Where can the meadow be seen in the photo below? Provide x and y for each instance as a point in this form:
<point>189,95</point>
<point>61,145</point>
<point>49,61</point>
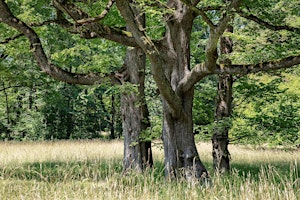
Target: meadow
<point>93,170</point>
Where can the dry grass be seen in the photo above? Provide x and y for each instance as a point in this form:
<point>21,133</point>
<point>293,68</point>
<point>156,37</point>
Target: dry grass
<point>93,170</point>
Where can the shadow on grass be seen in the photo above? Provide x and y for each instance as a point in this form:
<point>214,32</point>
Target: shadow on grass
<point>277,172</point>
<point>53,171</point>
<point>95,170</point>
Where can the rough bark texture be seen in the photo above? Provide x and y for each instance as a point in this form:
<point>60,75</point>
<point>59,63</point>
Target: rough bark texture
<point>135,114</point>
<point>181,155</point>
<point>137,153</point>
<point>221,155</point>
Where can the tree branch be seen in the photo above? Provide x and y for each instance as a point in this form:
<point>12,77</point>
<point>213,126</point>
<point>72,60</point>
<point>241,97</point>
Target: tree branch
<point>199,12</point>
<point>100,17</point>
<point>216,33</point>
<point>93,29</point>
<point>267,24</point>
<point>208,67</point>
<point>44,22</point>
<point>36,47</point>
<point>264,66</point>
<point>201,70</point>
<point>7,40</point>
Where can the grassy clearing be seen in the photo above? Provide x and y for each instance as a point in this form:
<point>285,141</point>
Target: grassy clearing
<point>93,170</point>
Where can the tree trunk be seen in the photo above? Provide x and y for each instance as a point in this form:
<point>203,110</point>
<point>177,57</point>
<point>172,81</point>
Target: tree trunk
<point>181,156</point>
<point>221,155</point>
<point>135,115</point>
<point>112,121</point>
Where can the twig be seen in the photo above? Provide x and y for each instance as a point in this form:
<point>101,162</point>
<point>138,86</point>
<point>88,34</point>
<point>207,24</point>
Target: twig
<point>7,40</point>
<point>98,18</point>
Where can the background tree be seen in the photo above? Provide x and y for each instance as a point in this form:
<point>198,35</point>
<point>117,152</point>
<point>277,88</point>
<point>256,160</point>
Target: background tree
<point>63,116</point>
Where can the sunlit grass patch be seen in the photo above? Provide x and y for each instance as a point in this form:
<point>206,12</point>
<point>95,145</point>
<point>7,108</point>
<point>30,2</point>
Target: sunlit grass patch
<point>93,170</point>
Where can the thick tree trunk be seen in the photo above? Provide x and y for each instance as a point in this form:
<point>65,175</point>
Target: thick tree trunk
<point>135,116</point>
<point>220,141</point>
<point>181,156</point>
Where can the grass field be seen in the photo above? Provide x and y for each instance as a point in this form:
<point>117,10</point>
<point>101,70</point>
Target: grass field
<point>93,170</point>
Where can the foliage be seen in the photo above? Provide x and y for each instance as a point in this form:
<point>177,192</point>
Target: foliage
<point>270,110</point>
<point>267,109</point>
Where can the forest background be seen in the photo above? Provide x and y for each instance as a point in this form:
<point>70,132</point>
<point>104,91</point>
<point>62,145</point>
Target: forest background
<point>33,106</point>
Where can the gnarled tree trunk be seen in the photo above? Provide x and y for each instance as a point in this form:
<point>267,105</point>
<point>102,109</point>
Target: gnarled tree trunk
<point>181,156</point>
<point>220,141</point>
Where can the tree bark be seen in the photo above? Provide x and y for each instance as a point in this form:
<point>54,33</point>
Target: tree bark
<point>181,155</point>
<point>135,115</point>
<point>220,141</point>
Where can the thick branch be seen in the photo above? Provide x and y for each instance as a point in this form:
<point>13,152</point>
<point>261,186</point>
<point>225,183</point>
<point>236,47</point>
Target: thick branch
<point>216,33</point>
<point>93,29</point>
<point>267,24</point>
<point>264,66</point>
<point>201,70</point>
<point>199,12</point>
<point>36,47</point>
<point>195,75</point>
<point>153,54</point>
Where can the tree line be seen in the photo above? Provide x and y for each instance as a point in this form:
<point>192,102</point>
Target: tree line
<point>185,43</point>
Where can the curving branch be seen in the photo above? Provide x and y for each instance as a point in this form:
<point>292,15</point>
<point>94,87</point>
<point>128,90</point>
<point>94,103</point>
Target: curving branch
<point>199,12</point>
<point>260,67</point>
<point>39,54</point>
<point>201,70</point>
<point>209,66</point>
<point>267,24</point>
<point>92,29</point>
<point>216,33</point>
<point>100,17</point>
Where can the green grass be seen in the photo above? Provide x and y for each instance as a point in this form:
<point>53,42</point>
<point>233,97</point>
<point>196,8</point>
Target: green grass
<point>93,170</point>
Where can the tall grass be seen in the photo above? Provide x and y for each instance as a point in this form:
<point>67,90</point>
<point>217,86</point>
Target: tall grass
<point>93,170</point>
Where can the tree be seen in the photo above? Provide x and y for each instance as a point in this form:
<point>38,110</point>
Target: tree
<point>138,153</point>
<point>224,100</point>
<point>267,109</point>
<point>135,114</point>
<point>169,57</point>
<point>223,110</point>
